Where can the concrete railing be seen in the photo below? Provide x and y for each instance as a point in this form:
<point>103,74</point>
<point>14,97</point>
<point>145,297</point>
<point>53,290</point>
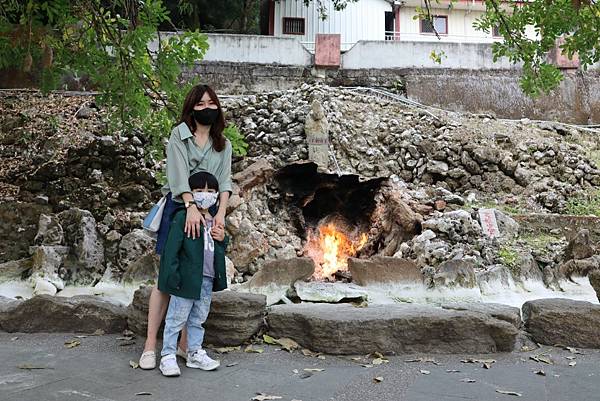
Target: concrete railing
<point>400,54</point>
<point>257,49</point>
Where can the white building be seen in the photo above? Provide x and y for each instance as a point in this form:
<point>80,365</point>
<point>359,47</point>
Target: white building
<point>378,20</point>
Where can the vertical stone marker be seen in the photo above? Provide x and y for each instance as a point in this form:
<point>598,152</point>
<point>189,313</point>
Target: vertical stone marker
<point>316,128</point>
<point>487,217</point>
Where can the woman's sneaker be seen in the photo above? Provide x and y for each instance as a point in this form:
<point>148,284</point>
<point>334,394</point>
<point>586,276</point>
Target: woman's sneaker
<point>200,360</point>
<point>168,366</point>
<point>148,360</point>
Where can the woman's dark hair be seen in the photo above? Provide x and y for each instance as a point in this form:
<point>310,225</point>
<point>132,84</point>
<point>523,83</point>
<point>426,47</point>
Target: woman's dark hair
<point>203,179</point>
<point>216,130</point>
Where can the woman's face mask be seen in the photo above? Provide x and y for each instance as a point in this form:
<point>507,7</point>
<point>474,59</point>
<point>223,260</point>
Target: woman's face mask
<point>204,200</point>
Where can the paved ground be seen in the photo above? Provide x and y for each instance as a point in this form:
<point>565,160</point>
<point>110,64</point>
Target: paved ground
<point>99,369</point>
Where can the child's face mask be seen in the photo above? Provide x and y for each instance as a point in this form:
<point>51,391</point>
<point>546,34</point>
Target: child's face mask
<point>204,200</point>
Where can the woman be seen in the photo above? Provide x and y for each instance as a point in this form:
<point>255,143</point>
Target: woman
<point>196,144</point>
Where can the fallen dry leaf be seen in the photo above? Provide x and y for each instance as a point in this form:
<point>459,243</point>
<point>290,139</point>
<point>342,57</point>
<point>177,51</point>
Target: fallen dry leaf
<point>508,392</point>
<point>378,379</point>
<point>574,350</point>
<point>467,380</point>
<point>540,372</point>
<point>452,371</point>
<point>27,366</point>
<point>134,364</point>
<point>269,340</point>
<point>224,350</point>
<point>72,343</point>
<point>542,358</point>
<point>14,338</point>
<point>321,357</point>
<point>265,397</point>
<point>127,343</point>
<point>229,365</point>
<point>570,357</point>
<point>414,360</point>
<point>572,363</point>
<point>313,369</point>
<point>287,344</point>
<point>295,371</point>
<point>143,393</point>
<point>100,332</point>
<point>250,348</point>
<point>424,372</point>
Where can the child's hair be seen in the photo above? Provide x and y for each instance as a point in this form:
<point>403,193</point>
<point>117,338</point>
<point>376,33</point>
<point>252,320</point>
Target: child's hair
<point>203,179</point>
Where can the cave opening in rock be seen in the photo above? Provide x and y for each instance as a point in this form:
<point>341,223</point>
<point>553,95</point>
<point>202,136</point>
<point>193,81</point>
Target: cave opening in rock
<point>331,212</point>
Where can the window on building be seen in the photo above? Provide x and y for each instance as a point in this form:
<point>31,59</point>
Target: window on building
<point>293,26</point>
<point>389,25</point>
<point>496,31</point>
<point>440,23</point>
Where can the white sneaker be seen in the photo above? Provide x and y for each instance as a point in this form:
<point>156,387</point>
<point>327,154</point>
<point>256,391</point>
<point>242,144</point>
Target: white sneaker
<point>148,360</point>
<point>200,360</point>
<point>168,366</point>
<point>182,354</point>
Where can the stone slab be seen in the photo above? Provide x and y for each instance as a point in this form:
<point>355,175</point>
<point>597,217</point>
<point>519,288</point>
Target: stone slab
<point>47,314</point>
<point>384,270</point>
<point>507,313</point>
<point>344,329</point>
<point>329,292</point>
<point>233,319</point>
<point>563,321</point>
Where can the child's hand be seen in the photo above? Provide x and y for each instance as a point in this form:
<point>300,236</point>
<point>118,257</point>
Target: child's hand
<point>218,233</point>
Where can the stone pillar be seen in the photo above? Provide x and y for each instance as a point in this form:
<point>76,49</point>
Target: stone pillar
<point>316,128</point>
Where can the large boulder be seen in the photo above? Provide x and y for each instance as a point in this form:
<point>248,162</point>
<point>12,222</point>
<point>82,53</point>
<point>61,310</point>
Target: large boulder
<point>14,269</point>
<point>50,314</point>
<point>248,243</point>
<point>563,321</point>
<point>284,272</point>
<point>384,270</point>
<point>275,278</point>
<point>456,273</point>
<point>86,249</point>
<point>134,247</point>
<point>233,319</point>
<point>580,247</point>
<point>345,329</point>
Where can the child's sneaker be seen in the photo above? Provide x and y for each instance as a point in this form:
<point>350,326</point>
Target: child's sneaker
<point>168,366</point>
<point>200,360</point>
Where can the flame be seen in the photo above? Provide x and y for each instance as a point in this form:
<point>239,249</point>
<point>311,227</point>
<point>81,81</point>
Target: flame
<point>331,248</point>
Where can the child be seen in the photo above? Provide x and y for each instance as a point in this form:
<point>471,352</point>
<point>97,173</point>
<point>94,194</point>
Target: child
<point>190,270</point>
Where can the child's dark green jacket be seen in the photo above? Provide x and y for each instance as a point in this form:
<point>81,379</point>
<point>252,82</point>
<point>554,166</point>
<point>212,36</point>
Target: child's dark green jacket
<point>182,262</point>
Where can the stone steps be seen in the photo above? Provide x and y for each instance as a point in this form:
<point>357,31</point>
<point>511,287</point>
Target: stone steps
<point>333,328</point>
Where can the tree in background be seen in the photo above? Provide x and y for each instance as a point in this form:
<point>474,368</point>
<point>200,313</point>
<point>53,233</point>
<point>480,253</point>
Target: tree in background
<point>230,16</point>
<point>116,45</point>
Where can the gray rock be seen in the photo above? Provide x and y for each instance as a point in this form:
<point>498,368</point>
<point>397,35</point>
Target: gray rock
<point>493,278</point>
<point>142,269</point>
<point>456,273</point>
<point>51,314</point>
<point>383,269</point>
<point>135,246</point>
<point>86,262</point>
<point>234,317</point>
<point>283,272</point>
<point>563,321</point>
<point>50,232</point>
<point>47,263</point>
<point>15,269</point>
<point>344,329</point>
<point>580,247</point>
<point>507,226</point>
<point>507,313</point>
<point>329,292</point>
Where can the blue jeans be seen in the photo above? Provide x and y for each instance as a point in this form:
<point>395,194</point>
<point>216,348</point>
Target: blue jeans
<point>191,311</point>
